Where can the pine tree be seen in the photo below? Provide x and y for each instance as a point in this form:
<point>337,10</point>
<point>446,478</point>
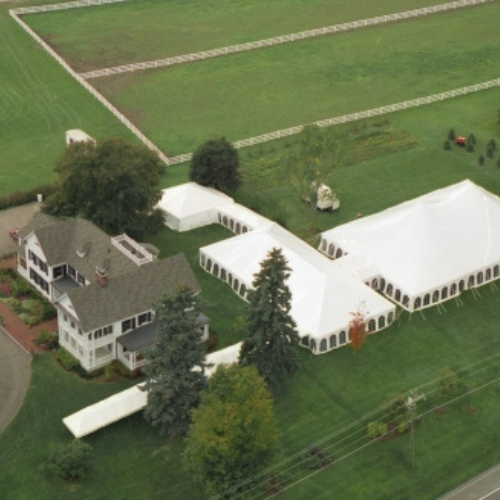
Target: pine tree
<point>173,386</point>
<point>272,337</point>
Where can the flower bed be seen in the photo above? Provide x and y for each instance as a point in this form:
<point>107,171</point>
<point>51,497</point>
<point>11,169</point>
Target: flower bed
<point>23,299</point>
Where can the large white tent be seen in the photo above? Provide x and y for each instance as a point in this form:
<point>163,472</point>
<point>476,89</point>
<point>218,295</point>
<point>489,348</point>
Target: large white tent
<point>240,219</point>
<point>133,399</point>
<point>324,294</point>
<point>429,249</point>
<point>189,206</point>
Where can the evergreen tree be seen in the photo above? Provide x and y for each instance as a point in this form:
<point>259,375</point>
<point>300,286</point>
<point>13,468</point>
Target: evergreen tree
<point>234,433</point>
<point>272,337</point>
<point>175,375</point>
<point>216,164</point>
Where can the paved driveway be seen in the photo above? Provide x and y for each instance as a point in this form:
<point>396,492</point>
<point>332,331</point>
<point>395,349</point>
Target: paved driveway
<point>14,217</point>
<point>15,374</point>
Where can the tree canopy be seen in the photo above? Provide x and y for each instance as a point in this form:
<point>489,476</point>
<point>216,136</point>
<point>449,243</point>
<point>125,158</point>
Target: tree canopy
<point>235,432</point>
<point>172,385</point>
<point>216,164</point>
<point>112,183</point>
<point>311,162</point>
<point>271,334</point>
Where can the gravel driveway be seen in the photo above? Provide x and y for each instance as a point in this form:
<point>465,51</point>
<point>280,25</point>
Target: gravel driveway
<point>15,374</point>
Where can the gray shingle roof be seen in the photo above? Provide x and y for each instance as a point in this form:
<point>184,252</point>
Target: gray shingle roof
<point>130,293</point>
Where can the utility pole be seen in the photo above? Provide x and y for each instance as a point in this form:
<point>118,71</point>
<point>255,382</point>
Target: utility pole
<point>411,404</point>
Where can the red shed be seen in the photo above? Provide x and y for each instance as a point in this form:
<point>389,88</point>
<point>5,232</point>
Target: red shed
<point>461,141</point>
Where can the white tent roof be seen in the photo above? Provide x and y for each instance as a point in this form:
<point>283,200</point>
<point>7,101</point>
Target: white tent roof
<point>191,205</point>
<point>430,241</point>
<point>242,214</point>
<point>132,400</point>
<point>323,293</point>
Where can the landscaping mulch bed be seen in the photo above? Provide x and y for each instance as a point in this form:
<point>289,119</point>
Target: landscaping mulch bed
<point>15,327</point>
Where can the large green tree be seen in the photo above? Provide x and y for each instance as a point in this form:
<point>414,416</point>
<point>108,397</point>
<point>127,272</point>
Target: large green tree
<point>234,433</point>
<point>216,164</point>
<point>175,365</point>
<point>271,331</point>
<point>312,160</point>
<point>112,183</point>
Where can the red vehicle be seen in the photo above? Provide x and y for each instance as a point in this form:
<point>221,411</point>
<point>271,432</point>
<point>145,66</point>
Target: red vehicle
<point>461,141</point>
<point>14,233</point>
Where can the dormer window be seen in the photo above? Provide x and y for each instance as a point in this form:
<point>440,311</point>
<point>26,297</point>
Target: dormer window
<point>71,271</point>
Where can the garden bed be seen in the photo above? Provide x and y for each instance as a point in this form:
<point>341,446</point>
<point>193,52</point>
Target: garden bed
<point>29,305</point>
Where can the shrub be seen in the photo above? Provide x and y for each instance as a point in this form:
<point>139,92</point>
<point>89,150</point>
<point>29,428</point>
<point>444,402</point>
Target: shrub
<point>451,135</point>
<point>20,287</point>
<point>376,429</point>
<point>471,139</point>
<point>492,144</point>
<point>109,371</point>
<point>23,197</point>
<point>481,160</point>
<point>67,360</point>
<point>490,152</point>
<point>124,371</point>
<point>314,458</point>
<point>69,461</point>
<point>470,148</point>
<point>51,339</point>
<point>447,145</point>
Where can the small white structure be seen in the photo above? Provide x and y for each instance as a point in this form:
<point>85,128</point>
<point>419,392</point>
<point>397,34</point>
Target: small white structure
<point>189,206</point>
<point>324,294</point>
<point>427,250</point>
<point>77,135</point>
<point>326,198</point>
<point>132,400</point>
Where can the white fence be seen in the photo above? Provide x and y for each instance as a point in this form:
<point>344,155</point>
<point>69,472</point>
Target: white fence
<point>97,95</point>
<point>383,110</point>
<point>62,6</point>
<point>268,42</point>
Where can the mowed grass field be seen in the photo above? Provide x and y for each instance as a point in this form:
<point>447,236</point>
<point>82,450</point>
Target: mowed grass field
<point>154,29</point>
<point>249,94</point>
<point>39,101</point>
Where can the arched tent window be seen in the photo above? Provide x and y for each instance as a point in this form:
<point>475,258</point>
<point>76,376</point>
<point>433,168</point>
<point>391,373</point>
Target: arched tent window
<point>487,275</point>
<point>224,220</point>
<point>245,229</point>
<point>453,289</point>
<point>480,278</point>
<point>313,345</point>
<point>496,271</point>
<point>389,289</point>
<point>342,339</point>
<point>406,300</point>
<point>230,279</point>
<point>390,318</point>
<point>338,253</point>
<point>461,285</point>
<point>216,270</point>
<point>381,322</point>
<point>374,283</point>
<point>223,274</point>
<point>372,326</point>
<point>382,284</point>
<point>202,260</point>
<point>427,299</point>
<point>333,341</point>
<point>322,345</point>
<point>397,296</point>
<point>444,293</point>
<point>470,281</point>
<point>219,217</point>
<point>243,289</point>
<point>305,341</point>
<point>209,265</point>
<point>238,228</point>
<point>331,249</point>
<point>231,224</point>
<point>435,296</point>
<point>236,284</point>
<point>417,304</point>
<point>323,245</point>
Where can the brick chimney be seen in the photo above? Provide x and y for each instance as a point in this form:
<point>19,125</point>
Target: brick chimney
<point>102,276</point>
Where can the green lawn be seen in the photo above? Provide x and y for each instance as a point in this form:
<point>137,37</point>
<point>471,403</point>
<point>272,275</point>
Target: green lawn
<point>257,92</point>
<point>156,29</point>
<point>39,101</point>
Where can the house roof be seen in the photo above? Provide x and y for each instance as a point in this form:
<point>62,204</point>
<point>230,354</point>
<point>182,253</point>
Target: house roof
<point>79,243</point>
<point>131,293</point>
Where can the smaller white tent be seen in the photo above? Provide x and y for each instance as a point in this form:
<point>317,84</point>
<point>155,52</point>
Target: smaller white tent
<point>189,206</point>
<point>324,294</point>
<point>77,135</point>
<point>240,219</point>
<point>132,400</point>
